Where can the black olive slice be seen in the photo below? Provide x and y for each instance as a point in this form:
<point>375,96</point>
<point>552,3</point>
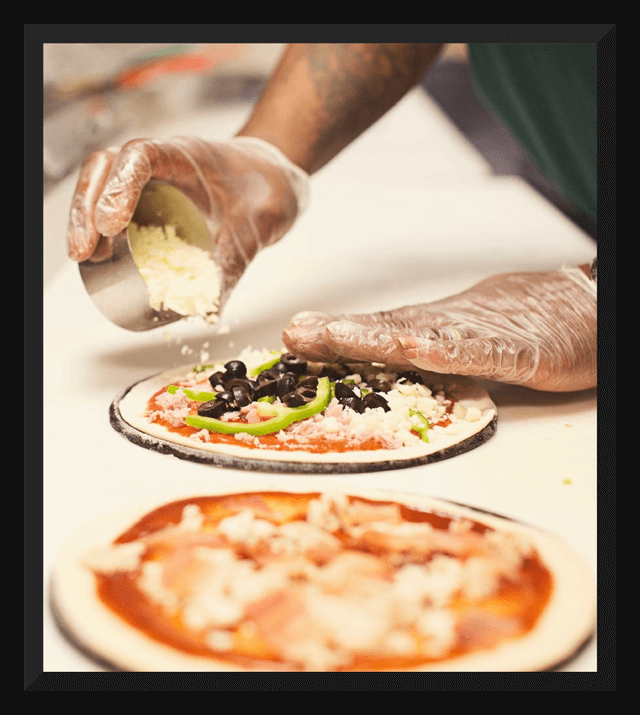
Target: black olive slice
<point>307,393</point>
<point>293,399</point>
<point>213,408</point>
<point>279,369</point>
<point>241,382</point>
<point>236,368</point>
<point>355,403</point>
<point>240,397</point>
<point>218,379</point>
<point>380,385</point>
<point>266,389</point>
<point>373,400</point>
<point>308,382</point>
<point>294,364</point>
<point>334,372</point>
<point>343,390</point>
<point>286,383</point>
<point>265,376</point>
<point>225,396</point>
<point>411,377</point>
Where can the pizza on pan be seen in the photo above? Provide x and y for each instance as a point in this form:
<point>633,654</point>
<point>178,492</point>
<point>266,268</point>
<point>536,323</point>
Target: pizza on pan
<point>269,406</point>
<point>321,581</point>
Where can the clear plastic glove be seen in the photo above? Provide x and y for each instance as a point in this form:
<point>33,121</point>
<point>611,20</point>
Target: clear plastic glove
<point>533,329</point>
<point>248,192</point>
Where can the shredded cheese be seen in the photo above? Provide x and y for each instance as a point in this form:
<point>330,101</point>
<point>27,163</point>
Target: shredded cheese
<point>179,276</point>
<point>317,600</point>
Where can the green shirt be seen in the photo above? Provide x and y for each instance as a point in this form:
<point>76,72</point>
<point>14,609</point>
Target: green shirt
<point>546,94</point>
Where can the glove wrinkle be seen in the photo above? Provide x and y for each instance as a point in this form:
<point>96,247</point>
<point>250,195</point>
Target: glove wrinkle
<point>498,359</point>
<point>356,342</point>
<point>130,171</point>
<point>82,233</point>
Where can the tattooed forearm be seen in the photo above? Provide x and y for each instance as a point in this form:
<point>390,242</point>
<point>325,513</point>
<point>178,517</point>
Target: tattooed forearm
<point>322,96</point>
<point>357,84</point>
<point>362,81</point>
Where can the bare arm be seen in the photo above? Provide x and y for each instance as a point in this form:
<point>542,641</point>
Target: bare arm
<point>322,96</point>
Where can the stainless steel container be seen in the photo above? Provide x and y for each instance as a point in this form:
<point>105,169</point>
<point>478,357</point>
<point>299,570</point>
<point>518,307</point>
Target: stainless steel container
<point>116,286</point>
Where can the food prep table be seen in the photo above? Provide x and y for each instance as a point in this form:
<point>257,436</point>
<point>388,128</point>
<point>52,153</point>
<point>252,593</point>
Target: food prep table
<point>408,213</point>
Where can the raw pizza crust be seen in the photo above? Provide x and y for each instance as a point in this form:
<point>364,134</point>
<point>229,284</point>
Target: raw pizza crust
<point>565,625</point>
<point>127,416</point>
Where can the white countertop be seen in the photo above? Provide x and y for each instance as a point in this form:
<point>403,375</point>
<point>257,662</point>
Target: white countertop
<point>409,213</point>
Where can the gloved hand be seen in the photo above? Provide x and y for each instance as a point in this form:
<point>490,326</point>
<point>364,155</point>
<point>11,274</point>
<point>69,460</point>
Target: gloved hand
<point>248,192</point>
<point>533,329</point>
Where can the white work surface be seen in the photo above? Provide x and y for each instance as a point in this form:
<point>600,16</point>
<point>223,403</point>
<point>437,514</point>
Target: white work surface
<point>408,213</point>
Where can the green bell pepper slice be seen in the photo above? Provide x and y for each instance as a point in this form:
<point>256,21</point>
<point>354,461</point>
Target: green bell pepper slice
<point>266,366</point>
<point>202,368</point>
<point>192,394</point>
<point>422,429</point>
<point>285,416</point>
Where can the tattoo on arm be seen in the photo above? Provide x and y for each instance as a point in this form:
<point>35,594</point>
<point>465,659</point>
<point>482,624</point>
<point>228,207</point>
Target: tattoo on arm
<point>322,96</point>
<point>357,84</point>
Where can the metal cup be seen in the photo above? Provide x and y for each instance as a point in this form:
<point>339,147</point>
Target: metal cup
<point>116,286</point>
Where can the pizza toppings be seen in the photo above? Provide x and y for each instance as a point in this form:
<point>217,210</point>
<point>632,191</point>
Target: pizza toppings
<point>283,417</point>
<point>423,425</point>
<point>309,406</point>
<point>320,581</point>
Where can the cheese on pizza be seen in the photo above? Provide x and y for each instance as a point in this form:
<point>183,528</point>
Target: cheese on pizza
<point>372,407</point>
<point>320,582</point>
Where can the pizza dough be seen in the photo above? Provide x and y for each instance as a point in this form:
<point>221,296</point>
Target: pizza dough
<point>472,421</point>
<point>296,580</point>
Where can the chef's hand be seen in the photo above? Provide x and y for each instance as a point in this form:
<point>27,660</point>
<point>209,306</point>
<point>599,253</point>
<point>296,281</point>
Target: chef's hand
<point>533,329</point>
<point>248,192</point>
